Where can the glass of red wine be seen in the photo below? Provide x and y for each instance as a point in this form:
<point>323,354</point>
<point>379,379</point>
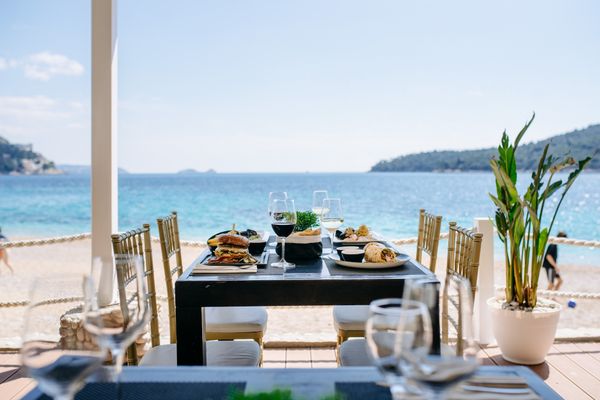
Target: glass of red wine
<point>283,222</point>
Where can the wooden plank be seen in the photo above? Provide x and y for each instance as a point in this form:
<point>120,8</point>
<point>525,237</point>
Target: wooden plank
<point>574,372</point>
<point>14,385</point>
<point>552,376</point>
<point>9,365</point>
<point>274,355</point>
<point>323,357</point>
<point>297,358</point>
<point>581,358</point>
<point>26,389</point>
<point>592,349</point>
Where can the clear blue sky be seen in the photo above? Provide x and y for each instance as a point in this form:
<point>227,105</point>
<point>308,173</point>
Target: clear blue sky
<point>303,85</point>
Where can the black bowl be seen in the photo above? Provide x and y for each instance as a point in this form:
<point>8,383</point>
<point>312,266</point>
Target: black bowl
<point>342,248</point>
<point>257,247</point>
<point>353,255</point>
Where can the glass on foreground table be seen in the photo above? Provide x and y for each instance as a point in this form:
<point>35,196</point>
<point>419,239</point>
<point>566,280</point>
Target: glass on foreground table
<point>454,362</point>
<point>389,318</point>
<point>55,358</point>
<point>119,328</point>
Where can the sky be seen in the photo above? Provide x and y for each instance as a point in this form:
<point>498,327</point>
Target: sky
<point>295,86</point>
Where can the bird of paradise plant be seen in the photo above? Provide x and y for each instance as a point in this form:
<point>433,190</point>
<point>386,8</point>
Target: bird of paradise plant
<point>520,219</point>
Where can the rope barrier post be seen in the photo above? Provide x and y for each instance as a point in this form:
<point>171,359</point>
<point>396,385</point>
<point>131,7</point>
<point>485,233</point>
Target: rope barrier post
<point>485,282</point>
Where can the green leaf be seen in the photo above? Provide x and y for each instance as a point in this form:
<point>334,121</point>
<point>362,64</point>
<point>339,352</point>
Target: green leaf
<point>520,135</point>
<point>542,240</point>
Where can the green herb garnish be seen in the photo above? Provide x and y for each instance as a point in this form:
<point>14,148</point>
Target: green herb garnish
<point>305,220</point>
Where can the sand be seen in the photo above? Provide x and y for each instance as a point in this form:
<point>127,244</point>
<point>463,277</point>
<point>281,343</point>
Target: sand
<point>286,324</point>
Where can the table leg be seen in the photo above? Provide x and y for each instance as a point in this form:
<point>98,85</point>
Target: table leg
<point>191,336</point>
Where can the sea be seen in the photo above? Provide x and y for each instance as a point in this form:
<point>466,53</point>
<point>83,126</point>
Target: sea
<point>389,203</point>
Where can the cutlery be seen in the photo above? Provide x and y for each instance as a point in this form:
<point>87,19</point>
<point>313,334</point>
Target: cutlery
<point>498,390</point>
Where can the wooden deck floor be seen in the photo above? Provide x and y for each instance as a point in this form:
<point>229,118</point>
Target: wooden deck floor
<point>571,369</point>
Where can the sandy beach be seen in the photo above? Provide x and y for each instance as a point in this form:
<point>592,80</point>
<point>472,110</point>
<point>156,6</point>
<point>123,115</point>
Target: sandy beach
<point>286,324</point>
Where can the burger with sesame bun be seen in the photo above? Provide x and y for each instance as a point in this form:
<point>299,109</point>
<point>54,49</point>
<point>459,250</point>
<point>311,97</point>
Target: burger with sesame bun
<point>232,249</point>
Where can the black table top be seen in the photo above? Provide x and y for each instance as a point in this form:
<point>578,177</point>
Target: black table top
<point>304,383</point>
<point>319,269</point>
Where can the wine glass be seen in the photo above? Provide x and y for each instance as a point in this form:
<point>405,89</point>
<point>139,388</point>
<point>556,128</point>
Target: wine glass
<point>120,323</point>
<point>332,216</point>
<point>381,331</point>
<point>276,196</point>
<point>54,357</point>
<point>455,361</point>
<point>317,203</point>
<point>283,222</point>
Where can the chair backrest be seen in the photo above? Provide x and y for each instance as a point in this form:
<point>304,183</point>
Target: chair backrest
<point>168,231</point>
<point>429,237</point>
<point>137,243</point>
<point>464,248</point>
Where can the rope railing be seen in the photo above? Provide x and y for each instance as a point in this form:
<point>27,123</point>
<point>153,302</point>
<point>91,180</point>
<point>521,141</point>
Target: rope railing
<point>561,294</point>
<point>201,244</point>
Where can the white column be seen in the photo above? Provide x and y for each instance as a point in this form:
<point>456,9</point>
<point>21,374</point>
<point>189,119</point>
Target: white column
<point>485,282</point>
<point>104,139</point>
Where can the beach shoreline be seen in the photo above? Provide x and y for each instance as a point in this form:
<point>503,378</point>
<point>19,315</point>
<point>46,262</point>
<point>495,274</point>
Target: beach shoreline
<point>286,324</point>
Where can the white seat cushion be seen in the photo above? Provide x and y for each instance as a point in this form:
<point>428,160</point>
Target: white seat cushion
<point>218,354</point>
<point>350,318</point>
<point>236,319</point>
<point>353,353</point>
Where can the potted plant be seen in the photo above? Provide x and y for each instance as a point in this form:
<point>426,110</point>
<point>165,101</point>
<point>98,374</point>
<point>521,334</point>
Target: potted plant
<point>523,324</point>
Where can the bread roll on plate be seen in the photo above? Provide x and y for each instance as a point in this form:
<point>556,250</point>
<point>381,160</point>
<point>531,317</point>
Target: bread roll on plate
<point>378,253</point>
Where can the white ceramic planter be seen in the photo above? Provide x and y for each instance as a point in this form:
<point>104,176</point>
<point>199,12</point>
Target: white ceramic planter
<point>524,337</point>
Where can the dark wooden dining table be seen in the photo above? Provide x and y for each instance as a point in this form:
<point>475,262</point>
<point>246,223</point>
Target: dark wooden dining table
<point>187,383</point>
<point>315,282</point>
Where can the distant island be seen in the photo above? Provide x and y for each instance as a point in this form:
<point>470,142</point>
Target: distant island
<point>578,143</point>
<point>191,171</point>
<point>20,159</point>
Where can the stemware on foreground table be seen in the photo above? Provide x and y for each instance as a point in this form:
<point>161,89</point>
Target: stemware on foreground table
<point>283,222</point>
<point>454,362</point>
<point>381,332</point>
<point>58,364</point>
<point>132,310</point>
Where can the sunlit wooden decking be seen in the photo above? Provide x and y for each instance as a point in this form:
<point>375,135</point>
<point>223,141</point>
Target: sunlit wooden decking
<point>571,369</point>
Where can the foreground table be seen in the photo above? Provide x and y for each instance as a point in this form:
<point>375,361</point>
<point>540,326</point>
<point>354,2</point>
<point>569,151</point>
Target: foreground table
<point>219,383</point>
<point>319,282</point>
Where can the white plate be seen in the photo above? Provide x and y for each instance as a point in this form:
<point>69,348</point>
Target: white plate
<point>375,237</point>
<point>400,260</point>
<point>264,236</point>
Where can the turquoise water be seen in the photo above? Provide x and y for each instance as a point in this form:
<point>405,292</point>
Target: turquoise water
<point>59,205</point>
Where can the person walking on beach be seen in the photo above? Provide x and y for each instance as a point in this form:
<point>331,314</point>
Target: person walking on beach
<point>551,265</point>
<point>4,252</point>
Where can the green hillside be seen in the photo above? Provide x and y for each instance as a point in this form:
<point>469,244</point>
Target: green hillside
<point>579,144</point>
<point>22,160</point>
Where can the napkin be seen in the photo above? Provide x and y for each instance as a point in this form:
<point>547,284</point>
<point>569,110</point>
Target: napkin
<point>223,269</point>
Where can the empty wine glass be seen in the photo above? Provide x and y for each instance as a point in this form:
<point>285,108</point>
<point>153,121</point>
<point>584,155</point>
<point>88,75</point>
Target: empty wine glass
<point>381,331</point>
<point>332,216</point>
<point>58,359</point>
<point>283,222</point>
<point>120,323</point>
<point>459,354</point>
<point>317,201</point>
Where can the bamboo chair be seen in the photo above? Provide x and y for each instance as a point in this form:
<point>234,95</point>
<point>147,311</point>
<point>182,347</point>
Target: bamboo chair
<point>137,242</point>
<point>350,320</point>
<point>168,230</point>
<point>464,249</point>
<point>429,237</point>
